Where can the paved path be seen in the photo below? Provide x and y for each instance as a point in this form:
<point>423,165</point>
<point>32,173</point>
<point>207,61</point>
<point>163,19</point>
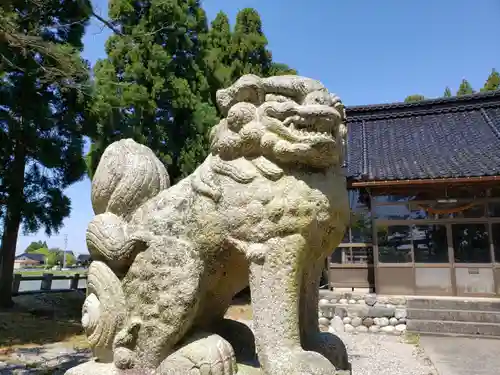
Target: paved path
<point>462,356</point>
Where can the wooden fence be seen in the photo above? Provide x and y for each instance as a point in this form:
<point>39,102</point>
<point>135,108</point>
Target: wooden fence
<point>46,283</point>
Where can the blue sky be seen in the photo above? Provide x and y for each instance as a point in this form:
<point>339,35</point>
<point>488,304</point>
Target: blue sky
<point>365,51</point>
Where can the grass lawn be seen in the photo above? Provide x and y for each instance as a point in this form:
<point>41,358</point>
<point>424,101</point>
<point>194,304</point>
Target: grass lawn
<point>40,272</point>
<point>42,319</point>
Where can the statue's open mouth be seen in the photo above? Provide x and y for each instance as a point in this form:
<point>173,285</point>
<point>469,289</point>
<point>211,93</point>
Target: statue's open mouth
<point>310,129</point>
<point>312,124</point>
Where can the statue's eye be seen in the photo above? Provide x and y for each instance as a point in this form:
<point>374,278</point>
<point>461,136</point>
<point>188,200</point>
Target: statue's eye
<point>279,98</point>
<point>318,98</point>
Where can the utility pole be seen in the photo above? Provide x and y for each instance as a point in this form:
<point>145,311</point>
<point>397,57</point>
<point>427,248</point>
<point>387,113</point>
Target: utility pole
<point>65,249</point>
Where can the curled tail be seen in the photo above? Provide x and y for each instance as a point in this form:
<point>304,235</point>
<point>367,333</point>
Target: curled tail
<point>128,175</point>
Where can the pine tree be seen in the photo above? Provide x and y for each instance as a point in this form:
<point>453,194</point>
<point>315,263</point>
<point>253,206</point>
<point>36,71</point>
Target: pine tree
<point>447,92</point>
<point>219,54</point>
<point>249,48</point>
<point>465,88</point>
<point>414,98</point>
<point>152,87</point>
<point>493,82</point>
<point>42,124</point>
<point>65,62</point>
<point>250,54</point>
<point>279,69</point>
<point>242,51</point>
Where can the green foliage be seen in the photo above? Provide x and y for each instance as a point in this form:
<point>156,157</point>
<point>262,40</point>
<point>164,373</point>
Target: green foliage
<point>65,62</point>
<point>414,98</point>
<point>249,52</point>
<point>55,256</point>
<point>45,252</point>
<point>159,81</point>
<point>465,88</point>
<point>241,51</point>
<point>447,92</point>
<point>53,259</point>
<point>249,45</point>
<point>360,224</point>
<point>42,250</point>
<point>35,245</point>
<point>152,86</point>
<point>280,69</point>
<point>493,82</point>
<point>41,120</point>
<point>70,260</point>
<point>219,54</point>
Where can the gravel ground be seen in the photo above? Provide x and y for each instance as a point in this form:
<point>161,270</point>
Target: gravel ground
<point>380,354</point>
<point>376,354</point>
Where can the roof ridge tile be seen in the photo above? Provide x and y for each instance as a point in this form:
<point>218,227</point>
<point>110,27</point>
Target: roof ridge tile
<point>438,105</point>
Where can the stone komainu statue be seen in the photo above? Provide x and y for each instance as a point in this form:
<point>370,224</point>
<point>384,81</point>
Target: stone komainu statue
<point>264,209</point>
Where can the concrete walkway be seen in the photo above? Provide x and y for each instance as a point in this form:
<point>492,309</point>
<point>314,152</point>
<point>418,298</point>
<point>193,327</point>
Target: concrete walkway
<point>462,356</point>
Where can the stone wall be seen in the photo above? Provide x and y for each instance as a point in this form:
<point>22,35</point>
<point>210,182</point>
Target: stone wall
<point>355,312</point>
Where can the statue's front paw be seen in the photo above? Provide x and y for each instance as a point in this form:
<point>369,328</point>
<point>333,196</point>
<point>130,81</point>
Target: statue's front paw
<point>311,363</point>
<point>332,347</point>
<point>202,354</point>
<point>298,362</point>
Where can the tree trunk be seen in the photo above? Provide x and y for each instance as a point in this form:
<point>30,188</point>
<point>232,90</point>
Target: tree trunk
<point>12,222</point>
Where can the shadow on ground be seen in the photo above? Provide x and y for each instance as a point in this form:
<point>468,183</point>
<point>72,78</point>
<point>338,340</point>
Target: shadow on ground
<point>42,319</point>
<point>46,362</point>
<point>240,307</point>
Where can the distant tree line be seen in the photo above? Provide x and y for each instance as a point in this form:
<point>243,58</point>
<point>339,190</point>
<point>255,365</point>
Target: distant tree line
<point>465,88</point>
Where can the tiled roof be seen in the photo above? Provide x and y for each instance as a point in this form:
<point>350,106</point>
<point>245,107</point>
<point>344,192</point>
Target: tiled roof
<point>32,256</point>
<point>439,138</point>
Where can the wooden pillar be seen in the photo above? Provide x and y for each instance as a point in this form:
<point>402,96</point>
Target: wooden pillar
<point>73,284</point>
<point>46,281</point>
<point>16,283</point>
<point>376,269</point>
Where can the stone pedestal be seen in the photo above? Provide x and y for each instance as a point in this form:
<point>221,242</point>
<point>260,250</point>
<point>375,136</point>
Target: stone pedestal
<point>108,369</point>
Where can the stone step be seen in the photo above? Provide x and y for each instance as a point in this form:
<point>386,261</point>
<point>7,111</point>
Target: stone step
<point>438,334</point>
<point>445,327</point>
<point>477,304</point>
<point>455,315</point>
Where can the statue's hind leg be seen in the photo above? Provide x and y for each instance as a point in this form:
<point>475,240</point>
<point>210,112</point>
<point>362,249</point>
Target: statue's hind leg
<point>163,288</point>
